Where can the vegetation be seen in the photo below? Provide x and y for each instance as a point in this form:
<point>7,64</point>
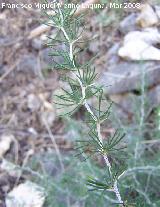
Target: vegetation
<point>82,87</point>
<point>122,182</point>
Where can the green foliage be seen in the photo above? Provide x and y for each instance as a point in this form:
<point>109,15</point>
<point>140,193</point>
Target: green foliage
<point>65,188</point>
<point>143,139</point>
<point>124,182</point>
<point>157,120</point>
<point>95,146</point>
<point>81,88</point>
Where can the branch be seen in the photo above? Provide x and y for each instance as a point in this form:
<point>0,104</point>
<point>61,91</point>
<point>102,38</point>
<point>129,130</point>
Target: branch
<point>86,105</point>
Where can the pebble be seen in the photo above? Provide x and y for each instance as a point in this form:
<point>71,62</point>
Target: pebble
<point>37,44</point>
<point>27,194</point>
<point>28,63</point>
<point>128,24</point>
<point>33,102</point>
<point>5,143</point>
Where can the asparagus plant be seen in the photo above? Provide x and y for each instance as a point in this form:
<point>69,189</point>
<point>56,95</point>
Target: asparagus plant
<point>82,87</point>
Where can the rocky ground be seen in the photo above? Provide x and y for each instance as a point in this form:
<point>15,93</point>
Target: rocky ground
<point>27,115</point>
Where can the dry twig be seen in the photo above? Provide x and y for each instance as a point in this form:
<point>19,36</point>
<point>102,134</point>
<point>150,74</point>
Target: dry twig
<point>9,71</point>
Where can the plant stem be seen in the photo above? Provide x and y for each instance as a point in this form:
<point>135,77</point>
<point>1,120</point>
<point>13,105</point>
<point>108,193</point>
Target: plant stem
<point>88,108</point>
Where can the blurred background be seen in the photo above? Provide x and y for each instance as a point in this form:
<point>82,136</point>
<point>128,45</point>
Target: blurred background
<point>37,146</point>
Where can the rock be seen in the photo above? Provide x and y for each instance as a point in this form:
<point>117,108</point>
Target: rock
<point>128,24</point>
<point>10,168</point>
<point>130,104</point>
<point>139,50</point>
<point>128,101</point>
<point>126,76</point>
<point>157,9</point>
<point>44,37</point>
<point>27,194</point>
<point>33,102</point>
<point>150,36</point>
<point>125,107</point>
<point>154,96</point>
<point>5,143</point>
<point>119,114</point>
<point>28,63</point>
<point>139,45</point>
<point>1,59</point>
<point>113,50</point>
<point>32,131</point>
<point>31,64</point>
<point>147,17</point>
<point>37,44</point>
<point>46,60</point>
<point>112,57</point>
<point>1,69</point>
<point>2,16</point>
<point>94,46</point>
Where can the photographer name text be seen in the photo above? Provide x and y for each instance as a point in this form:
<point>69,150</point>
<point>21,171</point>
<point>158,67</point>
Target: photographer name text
<point>54,5</point>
